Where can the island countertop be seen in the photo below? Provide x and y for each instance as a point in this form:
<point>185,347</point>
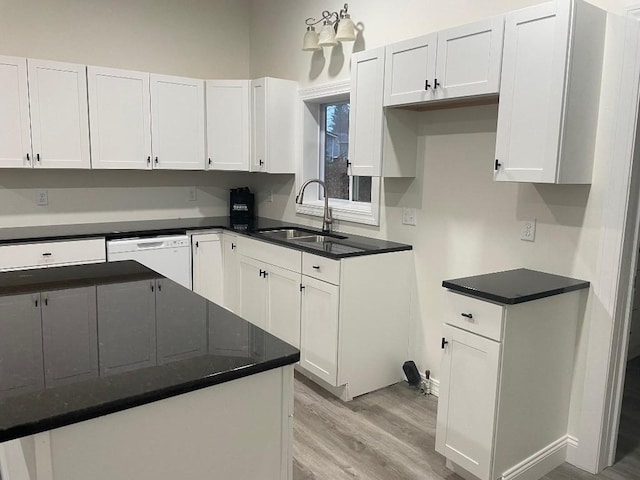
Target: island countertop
<point>347,245</point>
<point>87,365</point>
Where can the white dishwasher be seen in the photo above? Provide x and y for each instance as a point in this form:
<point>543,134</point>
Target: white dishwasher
<point>169,256</point>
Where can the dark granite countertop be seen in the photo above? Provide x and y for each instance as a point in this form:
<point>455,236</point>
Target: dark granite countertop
<point>84,341</point>
<point>515,286</point>
<point>347,246</point>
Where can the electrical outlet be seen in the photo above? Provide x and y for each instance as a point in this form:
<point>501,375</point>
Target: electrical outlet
<point>528,232</point>
<point>193,196</point>
<point>42,198</point>
<point>270,196</point>
<point>409,216</point>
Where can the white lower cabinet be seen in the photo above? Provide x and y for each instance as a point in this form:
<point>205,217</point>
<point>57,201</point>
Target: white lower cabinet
<point>350,321</point>
<point>270,298</point>
<point>206,254</point>
<point>319,329</point>
<point>505,385</point>
<point>51,254</point>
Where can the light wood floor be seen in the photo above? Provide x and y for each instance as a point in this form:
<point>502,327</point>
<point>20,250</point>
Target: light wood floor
<point>390,435</point>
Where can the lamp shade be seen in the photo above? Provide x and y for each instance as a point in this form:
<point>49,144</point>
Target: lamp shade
<point>327,36</point>
<point>310,40</point>
<point>346,30</point>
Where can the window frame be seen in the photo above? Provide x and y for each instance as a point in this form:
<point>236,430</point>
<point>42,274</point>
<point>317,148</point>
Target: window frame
<point>312,100</point>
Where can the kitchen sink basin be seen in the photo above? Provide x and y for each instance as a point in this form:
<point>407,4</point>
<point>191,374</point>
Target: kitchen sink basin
<point>298,234</point>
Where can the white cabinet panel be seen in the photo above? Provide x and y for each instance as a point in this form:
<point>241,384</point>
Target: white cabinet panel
<point>59,114</point>
<point>228,124</point>
<point>365,116</point>
<point>319,329</point>
<point>549,93</point>
<point>409,71</point>
<point>283,304</point>
<point>253,292</point>
<point>274,125</point>
<point>177,122</point>
<point>231,275</point>
<point>15,126</point>
<point>468,60</point>
<point>207,266</point>
<point>120,118</point>
<point>467,402</point>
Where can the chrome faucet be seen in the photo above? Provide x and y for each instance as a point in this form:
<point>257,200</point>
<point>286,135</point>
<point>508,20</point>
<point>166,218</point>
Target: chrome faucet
<point>327,220</point>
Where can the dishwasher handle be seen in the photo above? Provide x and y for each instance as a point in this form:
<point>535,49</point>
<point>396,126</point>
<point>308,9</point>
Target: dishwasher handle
<point>155,244</point>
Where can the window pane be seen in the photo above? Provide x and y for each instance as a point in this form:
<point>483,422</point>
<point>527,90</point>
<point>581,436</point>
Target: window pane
<point>336,149</point>
<point>362,189</point>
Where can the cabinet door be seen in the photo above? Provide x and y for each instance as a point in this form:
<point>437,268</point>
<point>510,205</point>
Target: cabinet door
<point>69,335</point>
<point>365,115</point>
<point>59,114</point>
<point>15,127</point>
<point>228,125</point>
<point>253,292</point>
<point>127,326</point>
<point>207,266</point>
<point>410,68</point>
<point>119,118</point>
<point>181,320</point>
<point>469,59</point>
<point>20,344</point>
<point>177,122</point>
<point>283,304</point>
<point>532,89</point>
<point>319,329</point>
<point>228,334</point>
<point>468,397</point>
<point>231,275</point>
<point>258,125</point>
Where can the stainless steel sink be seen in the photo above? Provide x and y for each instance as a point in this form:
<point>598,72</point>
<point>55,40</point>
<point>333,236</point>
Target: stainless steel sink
<point>297,234</point>
<point>287,233</point>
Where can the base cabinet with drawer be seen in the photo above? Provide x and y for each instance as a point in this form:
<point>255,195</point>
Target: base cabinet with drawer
<point>51,254</point>
<point>505,385</point>
<point>349,316</point>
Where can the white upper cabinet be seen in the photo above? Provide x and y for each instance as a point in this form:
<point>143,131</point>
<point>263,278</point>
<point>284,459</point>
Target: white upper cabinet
<point>59,114</point>
<point>409,71</point>
<point>550,90</point>
<point>119,118</point>
<point>456,63</point>
<point>228,125</point>
<point>177,122</point>
<point>15,127</point>
<point>468,60</point>
<point>273,125</point>
<point>365,115</point>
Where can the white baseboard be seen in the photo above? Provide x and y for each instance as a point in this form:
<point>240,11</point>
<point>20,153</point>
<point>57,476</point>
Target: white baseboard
<point>572,450</point>
<point>541,462</point>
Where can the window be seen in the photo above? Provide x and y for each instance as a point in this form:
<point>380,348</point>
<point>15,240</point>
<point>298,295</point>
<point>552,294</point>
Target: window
<point>334,155</point>
<point>325,155</point>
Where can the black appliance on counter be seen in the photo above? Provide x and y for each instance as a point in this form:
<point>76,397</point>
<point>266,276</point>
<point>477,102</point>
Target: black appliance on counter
<point>241,204</point>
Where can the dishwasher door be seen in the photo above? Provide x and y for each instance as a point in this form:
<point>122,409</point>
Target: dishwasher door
<point>169,256</point>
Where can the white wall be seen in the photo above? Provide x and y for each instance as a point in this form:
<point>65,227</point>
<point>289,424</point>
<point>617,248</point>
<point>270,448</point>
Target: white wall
<point>197,38</point>
<point>467,223</point>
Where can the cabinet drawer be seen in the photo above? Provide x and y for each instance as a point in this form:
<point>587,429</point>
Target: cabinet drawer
<point>473,315</point>
<point>321,268</point>
<point>42,254</point>
<point>269,253</point>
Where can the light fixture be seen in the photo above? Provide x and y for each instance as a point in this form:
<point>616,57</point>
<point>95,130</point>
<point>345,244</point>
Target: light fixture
<point>336,27</point>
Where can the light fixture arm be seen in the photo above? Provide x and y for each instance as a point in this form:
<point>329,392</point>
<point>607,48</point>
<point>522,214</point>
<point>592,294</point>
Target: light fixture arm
<point>332,18</point>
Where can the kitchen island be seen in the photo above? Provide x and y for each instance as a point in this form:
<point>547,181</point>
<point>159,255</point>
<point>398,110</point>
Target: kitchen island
<point>112,371</point>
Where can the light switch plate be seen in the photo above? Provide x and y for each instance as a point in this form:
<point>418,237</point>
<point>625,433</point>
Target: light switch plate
<point>409,216</point>
<point>193,195</point>
<point>528,232</point>
<point>42,198</point>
